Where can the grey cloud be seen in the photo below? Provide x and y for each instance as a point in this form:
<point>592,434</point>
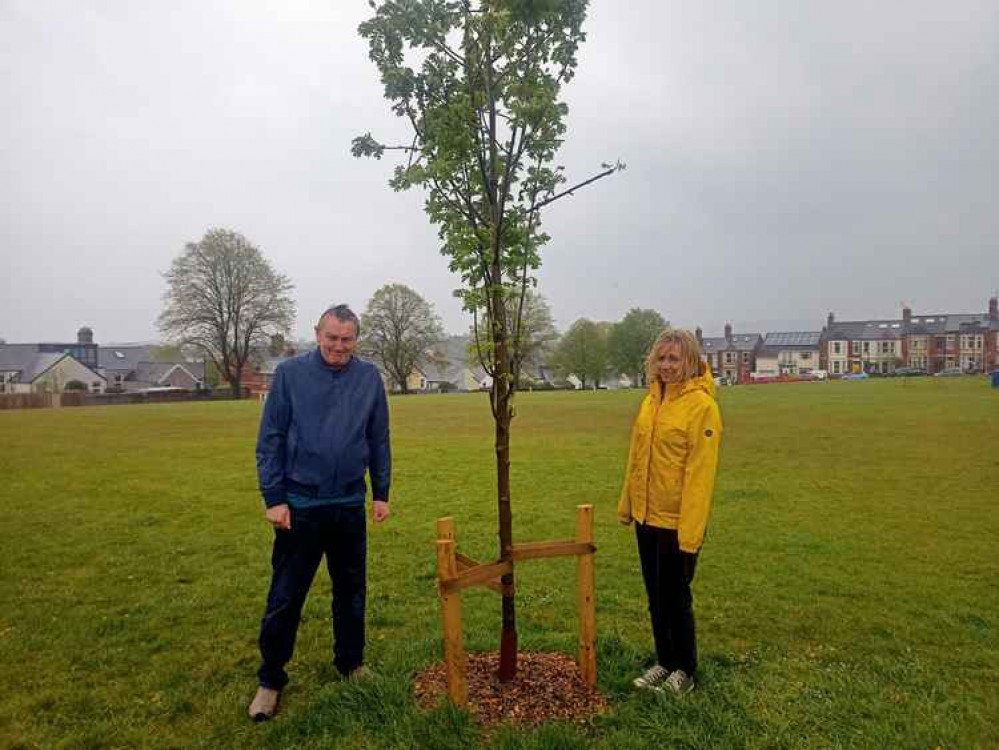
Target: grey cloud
<point>785,159</point>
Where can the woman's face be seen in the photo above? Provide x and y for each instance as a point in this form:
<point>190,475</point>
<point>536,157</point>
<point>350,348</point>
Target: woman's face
<point>671,363</point>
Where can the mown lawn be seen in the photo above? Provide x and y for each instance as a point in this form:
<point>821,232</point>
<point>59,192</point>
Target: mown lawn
<point>847,593</point>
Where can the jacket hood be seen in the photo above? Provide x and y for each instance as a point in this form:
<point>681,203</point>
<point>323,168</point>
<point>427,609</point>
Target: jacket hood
<point>703,382</point>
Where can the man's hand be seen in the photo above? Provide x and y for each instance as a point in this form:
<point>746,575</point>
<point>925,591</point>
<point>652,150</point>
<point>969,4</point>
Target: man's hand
<point>279,516</point>
<point>379,510</point>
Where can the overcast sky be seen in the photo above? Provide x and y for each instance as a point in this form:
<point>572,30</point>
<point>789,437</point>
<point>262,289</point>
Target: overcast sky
<point>784,159</point>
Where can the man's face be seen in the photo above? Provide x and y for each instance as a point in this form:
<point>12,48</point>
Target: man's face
<point>337,340</point>
<point>671,363</point>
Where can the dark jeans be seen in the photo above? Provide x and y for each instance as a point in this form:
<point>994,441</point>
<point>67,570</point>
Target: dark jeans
<point>340,534</point>
<point>668,573</point>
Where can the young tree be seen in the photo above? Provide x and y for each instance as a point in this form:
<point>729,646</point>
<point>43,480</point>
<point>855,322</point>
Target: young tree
<point>479,83</point>
<point>224,298</point>
<point>397,329</point>
<point>631,339</point>
<point>582,352</point>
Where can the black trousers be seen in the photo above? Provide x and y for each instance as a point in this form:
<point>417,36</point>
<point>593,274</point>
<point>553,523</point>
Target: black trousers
<point>341,535</point>
<point>668,572</point>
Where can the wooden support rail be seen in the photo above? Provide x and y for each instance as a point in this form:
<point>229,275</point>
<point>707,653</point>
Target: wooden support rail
<point>479,575</point>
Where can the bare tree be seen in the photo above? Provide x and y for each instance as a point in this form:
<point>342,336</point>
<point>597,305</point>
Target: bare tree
<point>224,298</point>
<point>397,329</point>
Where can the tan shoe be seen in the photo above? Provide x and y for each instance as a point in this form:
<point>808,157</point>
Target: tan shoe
<point>265,704</point>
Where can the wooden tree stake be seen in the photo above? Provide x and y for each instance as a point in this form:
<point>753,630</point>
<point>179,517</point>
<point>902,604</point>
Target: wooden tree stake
<point>454,651</point>
<point>586,593</point>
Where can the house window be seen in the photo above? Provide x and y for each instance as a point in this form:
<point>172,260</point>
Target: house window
<point>854,347</point>
<point>806,356</point>
<point>728,358</point>
<point>745,357</point>
<point>837,347</point>
<point>867,347</point>
<point>835,366</point>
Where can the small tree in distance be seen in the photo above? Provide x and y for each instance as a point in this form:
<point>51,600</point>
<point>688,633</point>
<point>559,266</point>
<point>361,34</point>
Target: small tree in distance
<point>537,333</point>
<point>397,328</point>
<point>631,339</point>
<point>582,352</point>
<point>479,82</point>
<point>224,298</point>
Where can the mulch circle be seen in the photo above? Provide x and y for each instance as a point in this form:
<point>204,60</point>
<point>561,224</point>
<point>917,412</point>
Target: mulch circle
<point>547,688</point>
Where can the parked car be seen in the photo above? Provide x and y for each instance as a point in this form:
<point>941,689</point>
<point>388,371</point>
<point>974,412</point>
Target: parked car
<point>949,372</point>
<point>855,376</point>
<point>819,374</point>
<point>909,372</point>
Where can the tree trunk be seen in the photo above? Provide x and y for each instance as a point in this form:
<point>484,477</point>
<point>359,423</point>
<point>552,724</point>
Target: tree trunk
<point>502,391</point>
<point>508,637</point>
<point>234,385</point>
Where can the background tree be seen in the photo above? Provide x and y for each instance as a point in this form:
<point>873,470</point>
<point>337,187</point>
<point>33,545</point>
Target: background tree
<point>630,340</point>
<point>537,338</point>
<point>397,329</point>
<point>482,100</point>
<point>224,298</point>
<point>582,352</point>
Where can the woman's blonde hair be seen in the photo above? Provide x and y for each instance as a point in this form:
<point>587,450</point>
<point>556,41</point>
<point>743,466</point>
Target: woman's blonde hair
<point>690,353</point>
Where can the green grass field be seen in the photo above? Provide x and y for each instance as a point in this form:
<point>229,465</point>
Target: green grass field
<point>847,594</point>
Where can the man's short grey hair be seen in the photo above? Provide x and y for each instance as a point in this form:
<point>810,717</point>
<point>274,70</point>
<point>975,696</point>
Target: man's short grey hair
<point>344,314</point>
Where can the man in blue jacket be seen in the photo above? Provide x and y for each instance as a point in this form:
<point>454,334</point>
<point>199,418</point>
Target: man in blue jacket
<point>325,424</point>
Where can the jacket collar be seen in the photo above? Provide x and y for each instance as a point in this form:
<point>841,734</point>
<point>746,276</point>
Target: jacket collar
<point>318,361</point>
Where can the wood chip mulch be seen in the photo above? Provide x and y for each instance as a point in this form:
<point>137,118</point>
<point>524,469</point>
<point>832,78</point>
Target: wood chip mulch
<point>547,688</point>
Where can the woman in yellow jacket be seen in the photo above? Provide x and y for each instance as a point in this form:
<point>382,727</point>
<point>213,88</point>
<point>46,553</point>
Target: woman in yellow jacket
<point>667,493</point>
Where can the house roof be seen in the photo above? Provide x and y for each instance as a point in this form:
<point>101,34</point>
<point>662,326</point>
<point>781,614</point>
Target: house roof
<point>17,357</point>
<point>41,364</point>
<point>854,330</point>
<point>740,342</point>
<point>793,340</point>
<point>919,325</point>
<point>123,357</point>
<point>30,364</point>
<point>157,372</point>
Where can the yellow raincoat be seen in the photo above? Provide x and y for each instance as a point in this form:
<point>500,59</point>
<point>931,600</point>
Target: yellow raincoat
<point>673,458</point>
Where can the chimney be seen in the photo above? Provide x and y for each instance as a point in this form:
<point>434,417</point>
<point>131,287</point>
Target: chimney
<point>994,309</point>
<point>728,331</point>
<point>700,336</point>
<point>830,320</point>
<point>906,316</point>
<point>85,336</point>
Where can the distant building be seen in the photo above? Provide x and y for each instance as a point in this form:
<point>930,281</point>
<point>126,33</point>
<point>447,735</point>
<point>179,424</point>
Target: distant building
<point>732,356</point>
<point>926,342</point>
<point>789,353</point>
<point>26,368</point>
<point>133,367</point>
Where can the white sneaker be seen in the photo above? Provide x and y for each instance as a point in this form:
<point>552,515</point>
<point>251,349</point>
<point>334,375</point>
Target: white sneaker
<point>679,683</point>
<point>653,679</point>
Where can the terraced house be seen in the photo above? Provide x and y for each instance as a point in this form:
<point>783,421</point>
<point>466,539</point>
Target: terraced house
<point>733,356</point>
<point>789,353</point>
<point>931,343</point>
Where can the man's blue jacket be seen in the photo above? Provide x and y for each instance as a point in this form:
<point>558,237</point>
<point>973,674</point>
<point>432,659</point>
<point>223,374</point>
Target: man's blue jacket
<point>322,428</point>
